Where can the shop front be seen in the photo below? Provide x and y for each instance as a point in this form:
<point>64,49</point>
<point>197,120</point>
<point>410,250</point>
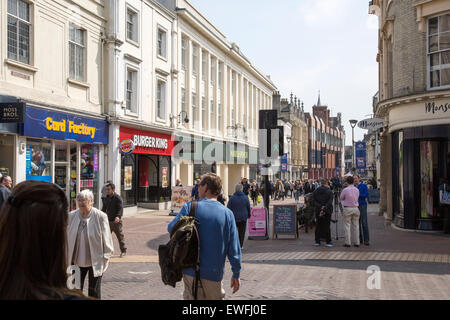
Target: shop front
<point>65,149</point>
<point>146,168</point>
<point>420,162</point>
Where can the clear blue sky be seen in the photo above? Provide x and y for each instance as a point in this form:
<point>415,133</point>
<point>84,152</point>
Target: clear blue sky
<point>307,46</point>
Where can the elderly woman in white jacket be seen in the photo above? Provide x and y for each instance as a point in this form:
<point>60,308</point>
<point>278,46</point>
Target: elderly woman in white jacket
<point>90,244</point>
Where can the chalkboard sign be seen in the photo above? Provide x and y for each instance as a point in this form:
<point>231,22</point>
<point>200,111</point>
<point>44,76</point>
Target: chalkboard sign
<point>285,220</point>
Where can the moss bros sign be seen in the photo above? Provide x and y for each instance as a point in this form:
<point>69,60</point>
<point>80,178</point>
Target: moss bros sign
<point>12,112</point>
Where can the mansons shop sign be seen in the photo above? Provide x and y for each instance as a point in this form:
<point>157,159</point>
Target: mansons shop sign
<point>431,107</point>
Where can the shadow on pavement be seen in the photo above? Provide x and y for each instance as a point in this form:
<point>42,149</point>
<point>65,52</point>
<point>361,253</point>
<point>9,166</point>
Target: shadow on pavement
<point>385,266</point>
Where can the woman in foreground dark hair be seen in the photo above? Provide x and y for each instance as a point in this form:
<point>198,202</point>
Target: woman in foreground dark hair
<point>33,225</point>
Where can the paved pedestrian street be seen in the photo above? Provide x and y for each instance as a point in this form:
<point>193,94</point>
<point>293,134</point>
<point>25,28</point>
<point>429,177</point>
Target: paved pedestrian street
<point>412,265</point>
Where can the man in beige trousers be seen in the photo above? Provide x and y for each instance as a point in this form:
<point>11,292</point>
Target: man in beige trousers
<point>349,199</point>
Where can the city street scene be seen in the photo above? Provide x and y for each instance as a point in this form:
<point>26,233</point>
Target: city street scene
<point>224,150</point>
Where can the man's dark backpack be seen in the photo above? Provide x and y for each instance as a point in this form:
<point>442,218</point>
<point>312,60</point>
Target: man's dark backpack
<point>182,251</point>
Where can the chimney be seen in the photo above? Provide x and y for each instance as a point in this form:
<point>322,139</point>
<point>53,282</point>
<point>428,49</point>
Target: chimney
<point>276,100</point>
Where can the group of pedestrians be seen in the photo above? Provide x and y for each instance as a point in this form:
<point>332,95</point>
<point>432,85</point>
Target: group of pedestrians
<point>354,202</point>
<point>282,189</point>
<point>37,226</point>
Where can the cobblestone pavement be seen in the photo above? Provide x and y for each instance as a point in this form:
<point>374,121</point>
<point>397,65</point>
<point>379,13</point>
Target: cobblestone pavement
<point>413,265</point>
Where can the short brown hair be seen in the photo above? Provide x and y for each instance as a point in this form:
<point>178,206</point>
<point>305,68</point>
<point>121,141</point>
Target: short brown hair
<point>213,182</point>
<point>350,180</point>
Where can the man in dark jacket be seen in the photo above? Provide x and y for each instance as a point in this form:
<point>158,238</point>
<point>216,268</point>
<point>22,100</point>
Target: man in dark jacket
<point>246,186</point>
<point>113,207</point>
<point>323,201</point>
<point>5,186</point>
<point>194,194</point>
<point>239,204</point>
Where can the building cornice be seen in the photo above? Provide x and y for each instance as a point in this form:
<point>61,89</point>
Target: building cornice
<point>383,107</point>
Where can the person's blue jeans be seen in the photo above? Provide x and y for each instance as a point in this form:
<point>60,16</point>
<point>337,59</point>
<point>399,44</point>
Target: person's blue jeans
<point>363,225</point>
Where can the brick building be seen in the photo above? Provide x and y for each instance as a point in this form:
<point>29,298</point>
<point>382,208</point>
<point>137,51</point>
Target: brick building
<point>326,138</point>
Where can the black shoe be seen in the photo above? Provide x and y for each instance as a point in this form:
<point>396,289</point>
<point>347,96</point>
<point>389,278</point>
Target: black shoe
<point>366,244</point>
<point>347,245</point>
<point>357,245</point>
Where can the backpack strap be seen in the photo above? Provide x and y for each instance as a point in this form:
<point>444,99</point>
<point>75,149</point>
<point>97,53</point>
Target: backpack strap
<point>193,209</point>
<point>192,212</point>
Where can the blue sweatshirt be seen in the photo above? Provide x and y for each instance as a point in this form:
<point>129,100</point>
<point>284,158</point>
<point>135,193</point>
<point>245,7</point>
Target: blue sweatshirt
<point>239,204</point>
<point>218,239</point>
<point>363,194</point>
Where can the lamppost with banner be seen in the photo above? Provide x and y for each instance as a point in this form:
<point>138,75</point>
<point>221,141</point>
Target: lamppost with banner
<point>353,123</point>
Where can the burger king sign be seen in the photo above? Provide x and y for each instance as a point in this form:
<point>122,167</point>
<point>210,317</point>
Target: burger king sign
<point>126,146</point>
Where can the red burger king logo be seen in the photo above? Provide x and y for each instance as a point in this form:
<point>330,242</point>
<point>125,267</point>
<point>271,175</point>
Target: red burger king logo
<point>126,146</point>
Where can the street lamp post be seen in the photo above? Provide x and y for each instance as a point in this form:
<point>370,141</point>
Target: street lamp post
<point>353,124</point>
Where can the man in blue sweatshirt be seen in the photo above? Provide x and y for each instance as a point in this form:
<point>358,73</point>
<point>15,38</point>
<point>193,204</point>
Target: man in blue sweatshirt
<point>218,240</point>
<point>363,220</point>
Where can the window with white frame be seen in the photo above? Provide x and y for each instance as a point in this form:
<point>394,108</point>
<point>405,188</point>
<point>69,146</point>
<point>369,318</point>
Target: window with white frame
<point>204,66</point>
<point>132,25</point>
<point>194,108</point>
<point>219,84</point>
<point>219,117</point>
<point>183,53</point>
<point>77,53</point>
<point>439,51</point>
<point>161,99</point>
<point>19,30</point>
<point>213,71</point>
<point>212,115</point>
<point>162,43</point>
<point>131,90</point>
<point>204,115</point>
<point>194,59</point>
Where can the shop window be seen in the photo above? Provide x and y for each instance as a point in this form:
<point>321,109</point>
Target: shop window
<point>38,160</point>
<point>6,158</point>
<point>128,190</point>
<point>89,170</point>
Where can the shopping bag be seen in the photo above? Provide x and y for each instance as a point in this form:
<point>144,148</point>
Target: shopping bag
<point>444,196</point>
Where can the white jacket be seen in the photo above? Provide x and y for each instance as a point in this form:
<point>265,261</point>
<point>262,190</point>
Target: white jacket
<point>100,239</point>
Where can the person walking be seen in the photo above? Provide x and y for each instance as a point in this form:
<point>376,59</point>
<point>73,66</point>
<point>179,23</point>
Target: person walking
<point>362,206</point>
<point>194,194</point>
<point>307,188</point>
<point>113,207</point>
<point>246,186</point>
<point>254,192</point>
<point>297,190</point>
<point>445,187</point>
<point>90,244</point>
<point>322,199</point>
<point>349,199</point>
<point>33,244</point>
<point>218,240</point>
<point>271,189</point>
<point>240,206</point>
<point>104,194</point>
<point>5,189</point>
